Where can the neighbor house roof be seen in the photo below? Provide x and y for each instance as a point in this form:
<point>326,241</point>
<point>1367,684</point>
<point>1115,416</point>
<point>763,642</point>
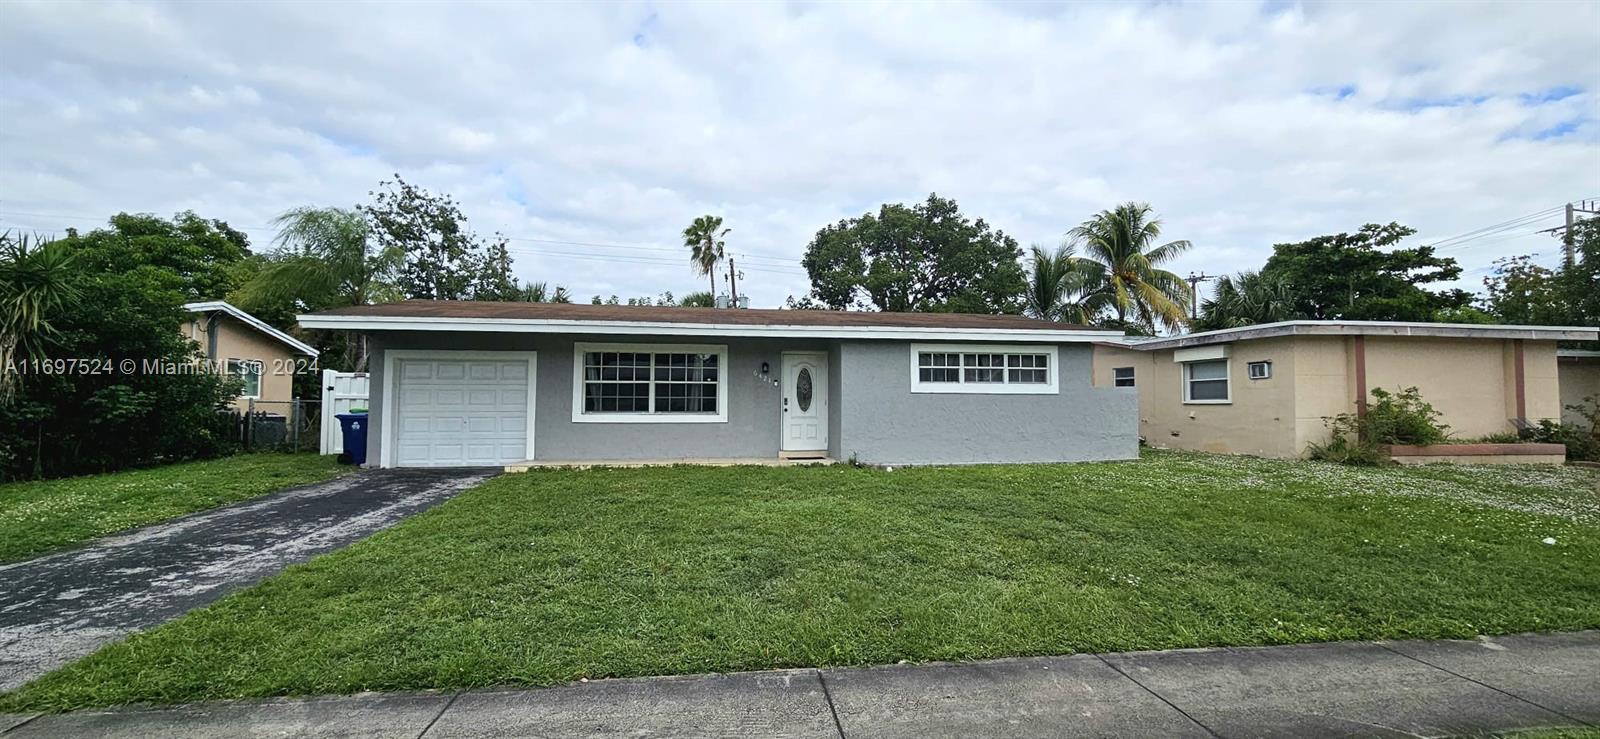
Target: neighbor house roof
<point>461,315</point>
<point>218,306</point>
<point>1577,354</point>
<point>1370,328</point>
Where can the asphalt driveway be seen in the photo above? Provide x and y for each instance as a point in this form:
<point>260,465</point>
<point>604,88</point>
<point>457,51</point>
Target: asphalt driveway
<point>62,606</point>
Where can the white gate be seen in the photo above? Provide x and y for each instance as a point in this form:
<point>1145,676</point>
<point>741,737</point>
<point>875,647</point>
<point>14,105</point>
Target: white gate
<point>341,391</point>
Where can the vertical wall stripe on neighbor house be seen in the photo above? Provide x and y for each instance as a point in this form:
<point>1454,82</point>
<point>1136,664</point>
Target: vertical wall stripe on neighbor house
<point>1360,344</point>
<point>1522,392</point>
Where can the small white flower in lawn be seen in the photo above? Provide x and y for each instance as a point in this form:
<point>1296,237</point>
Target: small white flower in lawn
<point>1550,540</point>
<point>888,469</point>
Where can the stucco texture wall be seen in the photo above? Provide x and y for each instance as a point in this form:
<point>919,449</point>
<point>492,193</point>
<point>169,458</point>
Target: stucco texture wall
<point>236,340</point>
<point>1580,379</point>
<point>751,430</point>
<point>1471,381</point>
<point>882,422</point>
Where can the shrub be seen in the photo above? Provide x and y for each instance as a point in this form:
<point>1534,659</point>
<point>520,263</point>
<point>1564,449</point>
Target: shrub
<point>1401,417</point>
<point>1582,438</point>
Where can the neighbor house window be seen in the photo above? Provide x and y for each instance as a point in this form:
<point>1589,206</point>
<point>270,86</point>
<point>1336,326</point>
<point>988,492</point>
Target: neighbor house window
<point>249,371</point>
<point>1260,370</point>
<point>650,383</point>
<point>1205,382</point>
<point>937,368</point>
<point>1122,376</point>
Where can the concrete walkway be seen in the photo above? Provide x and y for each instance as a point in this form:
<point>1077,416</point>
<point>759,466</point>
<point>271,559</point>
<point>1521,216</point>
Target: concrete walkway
<point>62,606</point>
<point>1417,688</point>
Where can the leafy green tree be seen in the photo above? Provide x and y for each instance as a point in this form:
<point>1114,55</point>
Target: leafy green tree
<point>1246,299</point>
<point>706,246</point>
<point>540,292</point>
<point>1056,286</point>
<point>1360,276</point>
<point>325,259</point>
<point>132,280</point>
<point>35,285</point>
<point>442,259</point>
<point>925,258</point>
<point>698,300</point>
<point>1123,265</point>
<point>1523,292</point>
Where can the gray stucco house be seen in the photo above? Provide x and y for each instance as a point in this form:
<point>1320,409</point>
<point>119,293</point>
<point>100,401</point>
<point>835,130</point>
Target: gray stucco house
<point>481,383</point>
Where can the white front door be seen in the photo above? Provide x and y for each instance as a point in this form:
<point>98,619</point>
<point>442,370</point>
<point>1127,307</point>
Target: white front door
<point>805,401</point>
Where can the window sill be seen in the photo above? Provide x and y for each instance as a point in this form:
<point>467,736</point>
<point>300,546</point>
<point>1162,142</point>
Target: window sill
<point>647,418</point>
<point>1208,402</point>
<point>970,389</point>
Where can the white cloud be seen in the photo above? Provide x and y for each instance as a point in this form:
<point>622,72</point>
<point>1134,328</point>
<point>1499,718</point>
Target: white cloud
<point>617,124</point>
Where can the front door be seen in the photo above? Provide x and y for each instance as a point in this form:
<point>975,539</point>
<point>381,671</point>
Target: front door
<point>805,402</point>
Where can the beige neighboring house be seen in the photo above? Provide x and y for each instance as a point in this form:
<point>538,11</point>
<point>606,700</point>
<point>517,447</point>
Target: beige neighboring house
<point>241,344</point>
<point>1579,371</point>
<point>1265,390</point>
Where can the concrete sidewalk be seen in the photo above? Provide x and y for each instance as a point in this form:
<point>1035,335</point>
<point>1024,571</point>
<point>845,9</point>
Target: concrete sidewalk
<point>1437,688</point>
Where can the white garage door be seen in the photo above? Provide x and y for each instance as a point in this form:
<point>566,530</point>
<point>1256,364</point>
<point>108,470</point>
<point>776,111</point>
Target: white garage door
<point>461,412</point>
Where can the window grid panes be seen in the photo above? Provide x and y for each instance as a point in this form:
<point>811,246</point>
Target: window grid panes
<point>1123,376</point>
<point>1207,380</point>
<point>650,382</point>
<point>974,368</point>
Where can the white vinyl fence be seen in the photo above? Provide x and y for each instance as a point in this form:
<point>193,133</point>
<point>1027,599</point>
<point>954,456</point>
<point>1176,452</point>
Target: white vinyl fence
<point>341,391</point>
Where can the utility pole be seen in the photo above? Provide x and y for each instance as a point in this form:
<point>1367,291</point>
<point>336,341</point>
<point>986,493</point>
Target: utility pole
<point>733,284</point>
<point>1591,207</point>
<point>1194,281</point>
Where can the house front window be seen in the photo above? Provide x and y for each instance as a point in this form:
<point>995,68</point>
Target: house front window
<point>622,383</point>
<point>983,369</point>
<point>1205,382</point>
<point>249,372</point>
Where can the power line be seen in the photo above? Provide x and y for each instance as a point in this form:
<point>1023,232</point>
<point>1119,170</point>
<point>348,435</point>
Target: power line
<point>1455,242</point>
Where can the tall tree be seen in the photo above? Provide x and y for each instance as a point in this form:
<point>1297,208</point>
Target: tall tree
<point>1122,242</point>
<point>1056,286</point>
<point>1360,276</point>
<point>326,258</point>
<point>1246,299</point>
<point>1522,291</point>
<point>540,292</point>
<point>926,258</point>
<point>35,285</point>
<point>704,237</point>
<point>442,258</point>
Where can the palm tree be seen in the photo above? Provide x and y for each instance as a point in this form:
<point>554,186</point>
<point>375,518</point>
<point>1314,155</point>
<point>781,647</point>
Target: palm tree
<point>1056,287</point>
<point>1247,299</point>
<point>325,260</point>
<point>539,292</point>
<point>698,300</point>
<point>34,284</point>
<point>1124,263</point>
<point>706,248</point>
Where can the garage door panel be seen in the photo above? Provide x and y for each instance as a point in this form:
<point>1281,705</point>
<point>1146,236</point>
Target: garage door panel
<point>462,412</point>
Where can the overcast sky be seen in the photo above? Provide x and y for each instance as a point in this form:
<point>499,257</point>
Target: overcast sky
<point>581,129</point>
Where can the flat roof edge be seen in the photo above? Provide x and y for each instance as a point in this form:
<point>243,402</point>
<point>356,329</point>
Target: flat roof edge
<point>1375,328</point>
<point>660,328</point>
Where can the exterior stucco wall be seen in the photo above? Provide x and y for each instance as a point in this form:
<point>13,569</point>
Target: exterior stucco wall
<point>1259,419</point>
<point>236,340</point>
<point>754,406</point>
<point>883,422</point>
<point>1580,378</point>
<point>1471,381</point>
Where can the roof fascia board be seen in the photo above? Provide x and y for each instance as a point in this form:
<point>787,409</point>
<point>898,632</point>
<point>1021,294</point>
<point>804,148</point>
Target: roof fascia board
<point>635,328</point>
<point>1376,328</point>
<point>252,321</point>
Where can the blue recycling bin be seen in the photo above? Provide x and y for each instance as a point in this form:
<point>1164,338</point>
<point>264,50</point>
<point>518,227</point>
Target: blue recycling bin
<point>354,428</point>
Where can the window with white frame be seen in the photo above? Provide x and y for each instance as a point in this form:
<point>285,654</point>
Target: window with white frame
<point>248,371</point>
<point>1259,370</point>
<point>939,368</point>
<point>1122,376</point>
<point>1205,382</point>
<point>636,382</point>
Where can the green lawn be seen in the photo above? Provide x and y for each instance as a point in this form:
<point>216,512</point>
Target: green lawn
<point>553,575</point>
<point>36,517</point>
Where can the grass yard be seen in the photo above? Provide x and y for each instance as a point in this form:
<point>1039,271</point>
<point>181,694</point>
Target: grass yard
<point>36,517</point>
<point>552,575</point>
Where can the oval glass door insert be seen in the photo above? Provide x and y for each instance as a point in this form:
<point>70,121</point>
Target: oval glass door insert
<point>802,389</point>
